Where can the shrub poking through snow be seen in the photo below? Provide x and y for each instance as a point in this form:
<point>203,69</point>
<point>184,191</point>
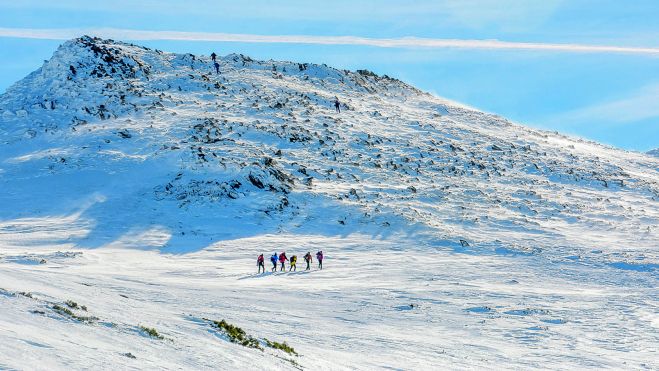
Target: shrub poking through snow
<point>64,311</point>
<point>281,346</point>
<point>237,335</point>
<point>152,332</point>
<point>71,304</point>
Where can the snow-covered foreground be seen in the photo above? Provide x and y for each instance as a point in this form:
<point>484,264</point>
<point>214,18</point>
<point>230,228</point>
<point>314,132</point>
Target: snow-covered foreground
<point>377,304</point>
<point>141,185</point>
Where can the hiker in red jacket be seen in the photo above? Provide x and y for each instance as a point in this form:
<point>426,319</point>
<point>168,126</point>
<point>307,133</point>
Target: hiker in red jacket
<point>282,259</point>
<point>308,259</point>
<point>260,262</point>
<point>319,256</point>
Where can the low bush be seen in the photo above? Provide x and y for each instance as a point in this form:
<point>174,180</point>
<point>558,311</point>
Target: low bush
<point>64,311</point>
<point>237,335</point>
<point>71,304</point>
<point>151,332</point>
<point>281,346</point>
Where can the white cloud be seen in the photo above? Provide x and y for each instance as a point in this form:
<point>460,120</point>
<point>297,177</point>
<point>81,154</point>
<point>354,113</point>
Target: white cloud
<point>402,42</point>
<point>639,106</point>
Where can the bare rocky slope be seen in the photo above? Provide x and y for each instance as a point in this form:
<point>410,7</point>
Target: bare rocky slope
<point>261,139</point>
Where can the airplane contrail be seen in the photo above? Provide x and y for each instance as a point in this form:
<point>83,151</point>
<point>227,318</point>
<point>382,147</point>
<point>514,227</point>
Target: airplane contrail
<point>402,42</point>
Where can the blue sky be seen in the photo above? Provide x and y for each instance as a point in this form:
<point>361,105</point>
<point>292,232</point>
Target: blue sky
<point>607,95</point>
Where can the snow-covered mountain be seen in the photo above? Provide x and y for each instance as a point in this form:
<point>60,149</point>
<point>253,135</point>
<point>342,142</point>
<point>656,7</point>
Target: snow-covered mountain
<point>654,152</point>
<point>146,184</point>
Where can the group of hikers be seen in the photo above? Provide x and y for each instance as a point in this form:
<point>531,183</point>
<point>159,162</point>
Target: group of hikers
<point>337,104</point>
<point>282,258</point>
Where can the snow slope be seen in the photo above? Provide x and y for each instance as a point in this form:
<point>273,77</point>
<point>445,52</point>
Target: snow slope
<point>654,152</point>
<point>142,185</point>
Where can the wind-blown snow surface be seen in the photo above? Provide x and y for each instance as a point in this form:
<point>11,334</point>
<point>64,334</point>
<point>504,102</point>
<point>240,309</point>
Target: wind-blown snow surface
<point>142,185</point>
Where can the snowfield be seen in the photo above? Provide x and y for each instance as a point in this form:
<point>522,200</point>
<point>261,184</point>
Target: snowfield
<point>141,185</point>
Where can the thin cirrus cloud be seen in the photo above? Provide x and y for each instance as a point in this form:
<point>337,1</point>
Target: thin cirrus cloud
<point>635,107</point>
<point>402,42</point>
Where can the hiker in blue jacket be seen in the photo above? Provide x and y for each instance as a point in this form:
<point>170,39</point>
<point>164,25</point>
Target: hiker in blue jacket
<point>274,259</point>
<point>217,67</point>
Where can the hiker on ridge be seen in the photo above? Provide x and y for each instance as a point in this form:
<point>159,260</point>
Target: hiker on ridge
<point>337,105</point>
<point>308,259</point>
<point>282,260</point>
<point>213,56</point>
<point>273,259</point>
<point>260,262</point>
<point>217,67</point>
<point>319,256</point>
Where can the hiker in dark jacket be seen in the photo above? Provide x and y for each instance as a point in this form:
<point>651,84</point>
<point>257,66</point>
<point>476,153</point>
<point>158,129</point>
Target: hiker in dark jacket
<point>213,56</point>
<point>282,260</point>
<point>308,259</point>
<point>337,105</point>
<point>260,262</point>
<point>273,259</point>
<point>217,67</point>
<point>319,256</point>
